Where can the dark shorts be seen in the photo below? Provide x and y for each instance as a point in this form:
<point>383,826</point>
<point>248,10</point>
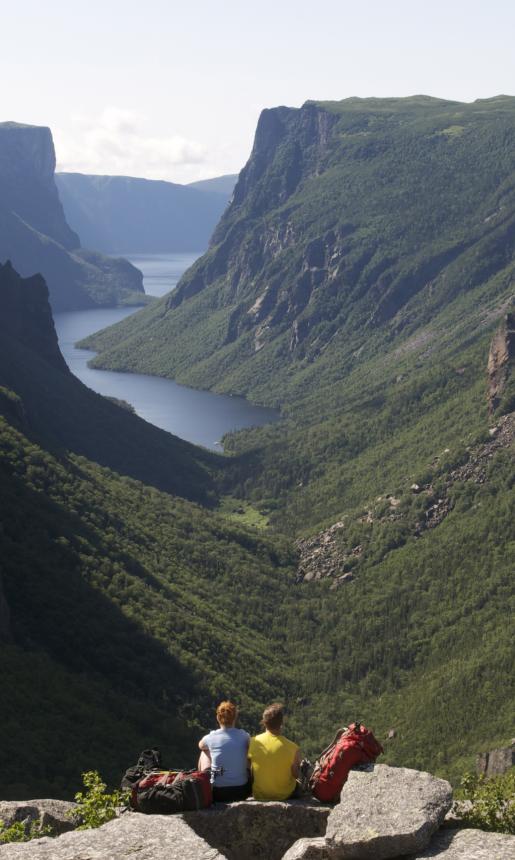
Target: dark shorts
<point>230,793</point>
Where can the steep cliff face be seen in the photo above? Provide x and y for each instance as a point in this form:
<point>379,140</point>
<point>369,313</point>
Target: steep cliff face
<point>34,233</point>
<point>26,315</point>
<point>27,165</point>
<point>501,364</point>
<point>352,221</point>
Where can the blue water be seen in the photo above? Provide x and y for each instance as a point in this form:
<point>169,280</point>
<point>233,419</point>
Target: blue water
<point>161,272</point>
<point>200,417</point>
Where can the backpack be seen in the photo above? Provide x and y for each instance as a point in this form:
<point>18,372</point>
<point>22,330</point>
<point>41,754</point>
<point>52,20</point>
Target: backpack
<point>351,746</point>
<point>149,760</point>
<point>167,792</point>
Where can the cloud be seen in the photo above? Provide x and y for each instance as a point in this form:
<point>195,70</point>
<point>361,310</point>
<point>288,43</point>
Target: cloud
<point>116,142</point>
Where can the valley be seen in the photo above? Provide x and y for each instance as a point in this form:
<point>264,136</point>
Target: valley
<point>354,558</point>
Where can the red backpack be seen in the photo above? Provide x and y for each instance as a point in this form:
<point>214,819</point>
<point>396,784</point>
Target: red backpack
<point>351,746</point>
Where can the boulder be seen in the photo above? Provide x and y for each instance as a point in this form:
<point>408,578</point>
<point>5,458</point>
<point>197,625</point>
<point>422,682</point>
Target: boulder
<point>469,845</point>
<point>255,830</point>
<point>383,812</point>
<point>56,814</point>
<point>145,837</point>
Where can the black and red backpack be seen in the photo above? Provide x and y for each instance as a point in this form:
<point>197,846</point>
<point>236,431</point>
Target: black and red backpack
<point>164,792</point>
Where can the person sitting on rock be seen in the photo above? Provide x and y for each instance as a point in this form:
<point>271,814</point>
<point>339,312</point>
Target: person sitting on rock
<point>225,751</point>
<point>275,761</point>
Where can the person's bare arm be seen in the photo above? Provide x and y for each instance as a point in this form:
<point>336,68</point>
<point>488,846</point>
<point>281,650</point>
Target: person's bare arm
<point>295,768</point>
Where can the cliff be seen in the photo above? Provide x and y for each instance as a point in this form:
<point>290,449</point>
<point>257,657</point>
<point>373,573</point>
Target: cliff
<point>353,223</point>
<point>26,315</point>
<point>501,365</point>
<point>36,237</point>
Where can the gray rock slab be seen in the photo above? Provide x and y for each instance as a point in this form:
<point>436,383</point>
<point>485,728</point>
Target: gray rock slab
<point>253,830</point>
<point>384,812</point>
<point>469,845</point>
<point>131,837</point>
<point>55,814</point>
<point>310,849</point>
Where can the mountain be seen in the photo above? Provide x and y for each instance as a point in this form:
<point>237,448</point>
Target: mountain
<point>122,213</point>
<point>356,280</point>
<point>62,412</point>
<point>365,239</point>
<point>121,614</point>
<point>224,183</point>
<point>393,465</point>
<point>36,237</point>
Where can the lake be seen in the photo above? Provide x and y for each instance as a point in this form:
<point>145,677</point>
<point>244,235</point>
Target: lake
<point>200,417</point>
<point>161,272</point>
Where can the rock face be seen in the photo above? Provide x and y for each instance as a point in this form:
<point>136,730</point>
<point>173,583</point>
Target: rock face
<point>34,233</point>
<point>26,315</point>
<point>56,814</point>
<point>469,845</point>
<point>384,812</point>
<point>496,762</point>
<point>152,837</point>
<point>501,361</point>
<point>318,251</point>
<point>258,831</point>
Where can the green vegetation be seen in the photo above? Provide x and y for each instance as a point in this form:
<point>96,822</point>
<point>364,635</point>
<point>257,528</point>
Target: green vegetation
<point>95,805</point>
<point>356,280</point>
<point>492,802</point>
<point>18,831</point>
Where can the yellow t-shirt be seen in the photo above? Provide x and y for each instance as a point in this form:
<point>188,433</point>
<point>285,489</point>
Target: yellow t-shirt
<point>271,758</point>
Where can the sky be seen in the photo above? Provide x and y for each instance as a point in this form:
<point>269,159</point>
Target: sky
<point>173,90</point>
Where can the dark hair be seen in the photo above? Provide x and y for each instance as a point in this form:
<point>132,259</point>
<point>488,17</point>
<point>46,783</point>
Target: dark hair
<point>273,717</point>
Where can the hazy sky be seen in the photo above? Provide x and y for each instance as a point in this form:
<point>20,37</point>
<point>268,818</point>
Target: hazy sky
<point>173,90</point>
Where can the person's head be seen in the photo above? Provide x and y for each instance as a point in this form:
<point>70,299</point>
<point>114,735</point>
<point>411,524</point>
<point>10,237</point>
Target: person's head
<point>273,717</point>
<point>227,714</point>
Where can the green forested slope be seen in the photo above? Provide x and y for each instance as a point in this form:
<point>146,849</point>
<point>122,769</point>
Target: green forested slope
<point>355,280</point>
<point>375,341</point>
<point>131,612</point>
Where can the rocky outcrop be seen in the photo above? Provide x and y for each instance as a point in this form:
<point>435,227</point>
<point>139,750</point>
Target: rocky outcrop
<point>26,315</point>
<point>384,812</point>
<point>501,361</point>
<point>496,762</point>
<point>56,815</point>
<point>27,165</point>
<point>131,837</point>
<point>258,831</point>
<point>329,554</point>
<point>34,233</point>
<point>469,845</point>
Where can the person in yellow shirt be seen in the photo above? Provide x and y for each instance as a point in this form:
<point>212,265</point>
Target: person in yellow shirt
<point>274,760</point>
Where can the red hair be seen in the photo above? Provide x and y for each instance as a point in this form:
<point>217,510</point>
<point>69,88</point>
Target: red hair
<point>226,713</point>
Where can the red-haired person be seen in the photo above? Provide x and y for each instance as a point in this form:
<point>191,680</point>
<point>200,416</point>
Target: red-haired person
<point>275,761</point>
<point>225,750</point>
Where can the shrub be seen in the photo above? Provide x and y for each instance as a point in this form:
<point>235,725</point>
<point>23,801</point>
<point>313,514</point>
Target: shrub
<point>19,831</point>
<point>492,802</point>
<point>96,806</point>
